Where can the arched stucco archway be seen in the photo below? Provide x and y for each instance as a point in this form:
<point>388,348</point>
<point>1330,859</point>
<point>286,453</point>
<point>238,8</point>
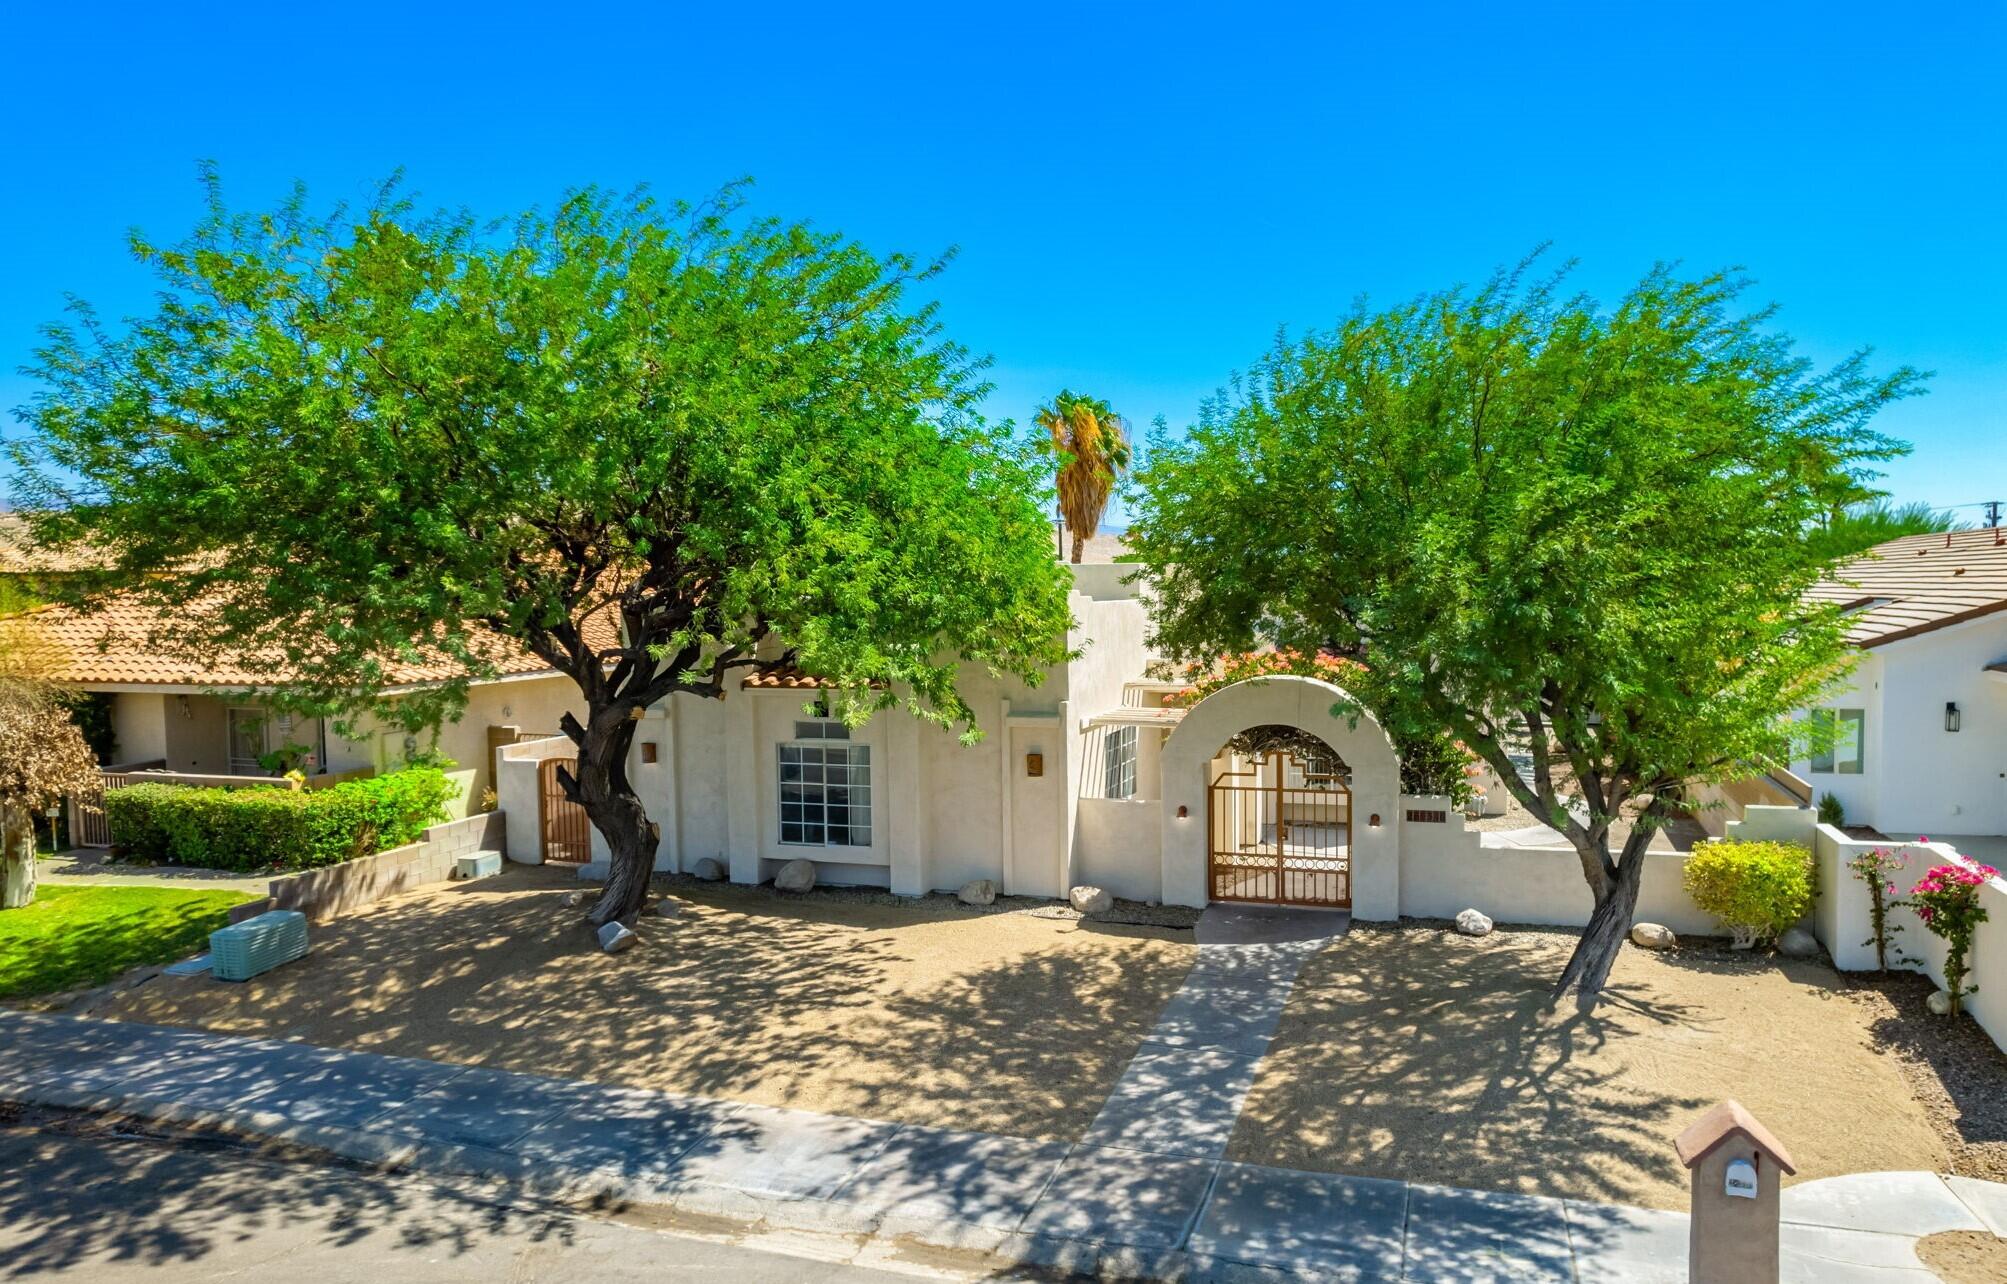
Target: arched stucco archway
<point>1305,703</point>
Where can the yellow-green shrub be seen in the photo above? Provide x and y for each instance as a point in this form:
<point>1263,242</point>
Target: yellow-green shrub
<point>1756,890</point>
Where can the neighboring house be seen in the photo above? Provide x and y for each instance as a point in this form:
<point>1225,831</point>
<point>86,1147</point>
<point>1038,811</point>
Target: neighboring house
<point>171,714</point>
<point>1922,724</point>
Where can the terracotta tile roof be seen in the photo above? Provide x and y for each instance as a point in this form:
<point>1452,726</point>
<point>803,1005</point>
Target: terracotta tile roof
<point>1919,583</point>
<point>116,646</point>
<point>19,554</point>
<point>789,679</point>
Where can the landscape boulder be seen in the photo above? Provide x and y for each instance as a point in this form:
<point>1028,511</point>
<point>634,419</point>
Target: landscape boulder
<point>572,900</point>
<point>1798,943</point>
<point>1091,900</point>
<point>1939,1003</point>
<point>1473,923</point>
<point>709,870</point>
<point>1653,936</point>
<point>978,891</point>
<point>795,876</point>
<point>667,907</point>
<point>615,937</point>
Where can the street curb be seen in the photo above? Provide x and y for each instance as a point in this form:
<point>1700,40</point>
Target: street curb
<point>995,1247</point>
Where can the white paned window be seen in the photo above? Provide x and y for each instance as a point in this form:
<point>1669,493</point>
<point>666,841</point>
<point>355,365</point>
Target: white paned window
<point>1118,763</point>
<point>1846,755</point>
<point>825,788</point>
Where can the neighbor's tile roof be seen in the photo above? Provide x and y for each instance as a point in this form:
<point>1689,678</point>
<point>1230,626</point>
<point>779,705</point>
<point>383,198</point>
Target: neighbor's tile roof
<point>1919,583</point>
<point>112,647</point>
<point>19,554</point>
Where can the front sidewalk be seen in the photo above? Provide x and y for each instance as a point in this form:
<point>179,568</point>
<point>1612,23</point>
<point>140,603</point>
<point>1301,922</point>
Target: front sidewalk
<point>1119,1212</point>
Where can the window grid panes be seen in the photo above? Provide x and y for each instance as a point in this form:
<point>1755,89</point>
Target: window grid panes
<point>1118,763</point>
<point>825,794</point>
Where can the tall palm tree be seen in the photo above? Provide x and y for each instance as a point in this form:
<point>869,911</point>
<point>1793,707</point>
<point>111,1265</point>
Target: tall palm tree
<point>1093,445</point>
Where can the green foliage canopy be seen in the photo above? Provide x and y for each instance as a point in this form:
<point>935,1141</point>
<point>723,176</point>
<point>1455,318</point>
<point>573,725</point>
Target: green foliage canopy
<point>377,436</point>
<point>1534,519</point>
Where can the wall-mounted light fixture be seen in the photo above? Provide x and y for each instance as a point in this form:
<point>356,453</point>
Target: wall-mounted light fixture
<point>1374,821</point>
<point>1951,715</point>
<point>648,751</point>
<point>1034,764</point>
<point>1184,813</point>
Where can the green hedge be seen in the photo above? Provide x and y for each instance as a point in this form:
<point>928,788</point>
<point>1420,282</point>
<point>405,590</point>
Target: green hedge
<point>271,828</point>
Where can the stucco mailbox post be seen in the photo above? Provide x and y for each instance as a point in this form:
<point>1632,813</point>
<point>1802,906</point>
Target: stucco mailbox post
<point>1738,1169</point>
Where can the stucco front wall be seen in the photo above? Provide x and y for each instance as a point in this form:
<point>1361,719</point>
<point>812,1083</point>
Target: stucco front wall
<point>1918,777</point>
<point>139,721</point>
<point>1306,703</point>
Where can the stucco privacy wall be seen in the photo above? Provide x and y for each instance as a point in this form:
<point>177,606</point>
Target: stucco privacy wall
<point>1120,843</point>
<point>1445,869</point>
<point>1307,703</point>
<point>1843,923</point>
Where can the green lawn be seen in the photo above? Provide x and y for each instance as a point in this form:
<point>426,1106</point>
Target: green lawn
<point>79,936</point>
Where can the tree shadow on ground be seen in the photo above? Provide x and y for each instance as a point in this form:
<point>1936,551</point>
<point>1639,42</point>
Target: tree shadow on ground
<point>1003,1023</point>
<point>1414,1052</point>
<point>66,1203</point>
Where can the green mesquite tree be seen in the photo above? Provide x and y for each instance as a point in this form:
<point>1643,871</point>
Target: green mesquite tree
<point>1533,520</point>
<point>380,434</point>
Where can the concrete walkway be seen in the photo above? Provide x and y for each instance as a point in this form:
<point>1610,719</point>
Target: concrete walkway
<point>1183,1090</point>
<point>1084,1207</point>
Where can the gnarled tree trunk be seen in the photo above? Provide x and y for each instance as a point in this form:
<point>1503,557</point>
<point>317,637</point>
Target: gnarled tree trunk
<point>1596,953</point>
<point>599,784</point>
<point>17,856</point>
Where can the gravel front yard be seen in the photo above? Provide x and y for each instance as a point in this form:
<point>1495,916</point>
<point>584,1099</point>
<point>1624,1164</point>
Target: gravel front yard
<point>1002,1022</point>
<point>1416,1053</point>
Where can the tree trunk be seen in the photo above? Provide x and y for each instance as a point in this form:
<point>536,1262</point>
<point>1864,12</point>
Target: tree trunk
<point>17,856</point>
<point>1596,953</point>
<point>1079,544</point>
<point>603,789</point>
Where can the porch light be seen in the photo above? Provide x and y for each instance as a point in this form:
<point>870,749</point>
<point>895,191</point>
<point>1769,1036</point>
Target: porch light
<point>1951,715</point>
<point>1374,820</point>
<point>1184,813</point>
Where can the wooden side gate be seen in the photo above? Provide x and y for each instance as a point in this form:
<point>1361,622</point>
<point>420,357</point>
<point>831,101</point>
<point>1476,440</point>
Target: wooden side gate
<point>567,834</point>
<point>88,824</point>
<point>1271,842</point>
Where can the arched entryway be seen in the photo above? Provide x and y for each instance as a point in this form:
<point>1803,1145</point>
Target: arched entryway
<point>1279,820</point>
<point>1276,791</point>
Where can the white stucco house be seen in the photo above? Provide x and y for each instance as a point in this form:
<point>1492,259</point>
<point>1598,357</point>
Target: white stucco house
<point>1260,792</point>
<point>1923,721</point>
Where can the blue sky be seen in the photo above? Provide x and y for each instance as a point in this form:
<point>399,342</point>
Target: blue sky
<point>1140,196</point>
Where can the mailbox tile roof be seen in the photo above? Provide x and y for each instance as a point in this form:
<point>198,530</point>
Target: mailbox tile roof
<point>1725,1121</point>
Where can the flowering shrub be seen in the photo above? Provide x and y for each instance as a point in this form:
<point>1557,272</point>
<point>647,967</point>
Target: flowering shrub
<point>1756,890</point>
<point>1204,678</point>
<point>1947,900</point>
<point>1878,868</point>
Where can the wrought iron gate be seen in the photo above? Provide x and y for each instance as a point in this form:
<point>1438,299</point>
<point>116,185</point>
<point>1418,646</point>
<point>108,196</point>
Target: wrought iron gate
<point>567,834</point>
<point>1274,842</point>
